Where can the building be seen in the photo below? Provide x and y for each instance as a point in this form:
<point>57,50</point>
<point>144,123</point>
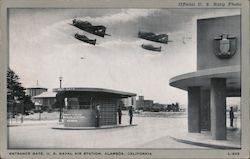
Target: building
<point>127,102</point>
<point>79,105</point>
<point>143,104</point>
<point>35,90</point>
<point>217,76</point>
<point>45,100</point>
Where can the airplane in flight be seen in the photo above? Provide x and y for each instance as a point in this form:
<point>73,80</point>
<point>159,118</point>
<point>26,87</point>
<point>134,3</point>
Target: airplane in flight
<point>98,30</point>
<point>151,47</point>
<point>85,39</point>
<point>160,38</point>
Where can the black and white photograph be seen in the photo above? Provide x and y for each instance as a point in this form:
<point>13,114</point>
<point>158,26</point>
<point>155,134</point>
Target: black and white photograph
<point>122,78</point>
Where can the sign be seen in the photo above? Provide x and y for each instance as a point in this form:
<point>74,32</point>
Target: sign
<point>73,116</point>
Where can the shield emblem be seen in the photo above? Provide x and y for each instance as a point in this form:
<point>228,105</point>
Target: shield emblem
<point>224,46</point>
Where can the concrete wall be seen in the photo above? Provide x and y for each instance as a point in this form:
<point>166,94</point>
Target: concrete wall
<point>207,30</point>
<point>205,110</point>
<point>108,110</point>
<point>86,117</point>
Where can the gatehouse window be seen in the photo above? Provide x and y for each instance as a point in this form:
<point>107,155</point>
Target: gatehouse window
<point>79,103</point>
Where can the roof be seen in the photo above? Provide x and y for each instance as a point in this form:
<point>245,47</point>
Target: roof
<point>36,87</point>
<point>202,78</point>
<point>97,90</point>
<point>46,95</point>
<point>208,18</point>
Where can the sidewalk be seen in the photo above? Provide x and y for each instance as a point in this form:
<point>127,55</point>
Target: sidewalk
<point>205,139</point>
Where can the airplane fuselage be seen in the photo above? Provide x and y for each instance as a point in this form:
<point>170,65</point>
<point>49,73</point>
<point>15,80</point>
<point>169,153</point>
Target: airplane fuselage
<point>151,47</point>
<point>85,39</point>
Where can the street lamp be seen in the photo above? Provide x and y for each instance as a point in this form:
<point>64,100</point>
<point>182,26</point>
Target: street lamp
<point>60,115</point>
<point>60,79</point>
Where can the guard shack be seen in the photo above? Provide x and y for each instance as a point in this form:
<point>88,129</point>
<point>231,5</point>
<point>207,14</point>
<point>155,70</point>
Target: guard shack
<point>79,105</point>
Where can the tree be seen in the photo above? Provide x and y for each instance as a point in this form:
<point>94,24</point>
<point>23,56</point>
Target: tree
<point>28,104</point>
<point>16,98</point>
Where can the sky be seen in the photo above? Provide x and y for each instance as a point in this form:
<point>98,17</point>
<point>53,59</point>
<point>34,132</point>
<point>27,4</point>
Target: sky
<point>43,48</point>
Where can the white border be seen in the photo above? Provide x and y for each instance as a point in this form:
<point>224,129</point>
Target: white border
<point>156,153</point>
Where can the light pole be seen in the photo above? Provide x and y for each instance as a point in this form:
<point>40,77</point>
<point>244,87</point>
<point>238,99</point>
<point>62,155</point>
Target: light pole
<point>60,79</point>
<point>60,115</point>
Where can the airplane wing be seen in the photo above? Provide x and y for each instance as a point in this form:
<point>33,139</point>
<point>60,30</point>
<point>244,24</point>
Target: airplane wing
<point>97,30</point>
<point>163,38</point>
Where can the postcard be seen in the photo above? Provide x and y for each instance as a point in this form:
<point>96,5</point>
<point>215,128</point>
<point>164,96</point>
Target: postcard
<point>124,79</point>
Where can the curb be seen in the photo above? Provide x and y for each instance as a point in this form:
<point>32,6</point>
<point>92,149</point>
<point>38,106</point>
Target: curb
<point>92,128</point>
<point>205,144</point>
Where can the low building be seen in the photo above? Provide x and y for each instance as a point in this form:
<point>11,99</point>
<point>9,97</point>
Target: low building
<point>143,104</point>
<point>45,100</point>
<point>79,105</point>
<point>35,90</point>
<point>127,102</point>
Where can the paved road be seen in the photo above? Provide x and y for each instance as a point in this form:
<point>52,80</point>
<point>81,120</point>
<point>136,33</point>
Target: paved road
<point>151,132</point>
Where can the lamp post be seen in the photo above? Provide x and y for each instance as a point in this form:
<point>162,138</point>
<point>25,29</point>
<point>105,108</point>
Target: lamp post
<point>60,79</point>
<point>60,115</point>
